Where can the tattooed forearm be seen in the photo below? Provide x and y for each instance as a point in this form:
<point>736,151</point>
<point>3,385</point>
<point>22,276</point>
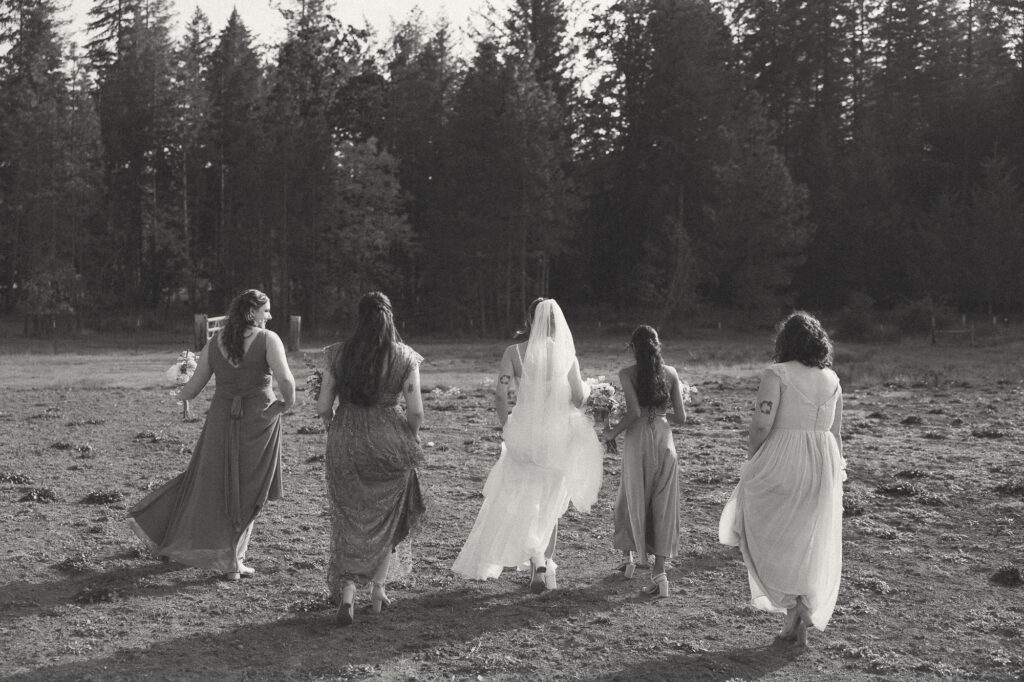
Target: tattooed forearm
<point>765,407</point>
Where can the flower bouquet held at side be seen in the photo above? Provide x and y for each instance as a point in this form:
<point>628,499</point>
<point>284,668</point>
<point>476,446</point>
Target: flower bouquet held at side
<point>179,373</point>
<point>604,403</point>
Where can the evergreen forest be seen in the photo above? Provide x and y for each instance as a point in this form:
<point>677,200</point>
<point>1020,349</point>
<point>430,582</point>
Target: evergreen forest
<point>662,158</point>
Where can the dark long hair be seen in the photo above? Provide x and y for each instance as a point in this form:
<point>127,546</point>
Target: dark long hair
<point>359,368</point>
<point>524,333</point>
<point>801,337</point>
<point>651,388</point>
<point>241,316</point>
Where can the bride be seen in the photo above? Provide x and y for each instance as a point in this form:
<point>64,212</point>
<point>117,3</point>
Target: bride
<point>550,456</point>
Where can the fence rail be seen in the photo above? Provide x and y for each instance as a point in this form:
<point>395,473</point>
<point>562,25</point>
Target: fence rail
<point>204,327</point>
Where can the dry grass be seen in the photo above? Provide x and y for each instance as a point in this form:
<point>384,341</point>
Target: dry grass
<point>932,553</point>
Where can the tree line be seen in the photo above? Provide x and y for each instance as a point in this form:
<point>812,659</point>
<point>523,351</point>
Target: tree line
<point>657,155</point>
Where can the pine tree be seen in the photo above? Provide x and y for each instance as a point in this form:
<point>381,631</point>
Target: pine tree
<point>234,229</point>
<point>44,177</point>
<point>193,99</point>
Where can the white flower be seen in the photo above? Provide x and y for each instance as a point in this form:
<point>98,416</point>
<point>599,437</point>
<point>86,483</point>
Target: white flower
<point>183,369</point>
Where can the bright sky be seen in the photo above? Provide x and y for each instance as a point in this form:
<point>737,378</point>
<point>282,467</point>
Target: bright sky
<point>267,25</point>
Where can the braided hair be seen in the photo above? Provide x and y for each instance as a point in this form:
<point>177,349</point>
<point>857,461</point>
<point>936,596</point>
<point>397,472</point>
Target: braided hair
<point>241,316</point>
<point>651,388</point>
<point>801,337</point>
<point>359,368</point>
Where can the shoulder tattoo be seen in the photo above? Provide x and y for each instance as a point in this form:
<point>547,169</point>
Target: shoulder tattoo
<point>765,406</point>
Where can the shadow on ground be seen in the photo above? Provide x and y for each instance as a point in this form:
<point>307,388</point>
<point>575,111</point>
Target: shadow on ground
<point>431,635</point>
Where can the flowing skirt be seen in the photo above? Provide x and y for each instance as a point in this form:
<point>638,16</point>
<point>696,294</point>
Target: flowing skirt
<point>203,517</point>
<point>786,517</point>
<point>524,499</point>
<point>647,508</point>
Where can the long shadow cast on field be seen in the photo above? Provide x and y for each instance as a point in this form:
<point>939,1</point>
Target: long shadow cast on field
<point>22,598</point>
<point>439,626</point>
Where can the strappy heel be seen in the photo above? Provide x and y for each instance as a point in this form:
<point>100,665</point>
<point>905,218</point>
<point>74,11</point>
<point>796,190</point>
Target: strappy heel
<point>346,610</point>
<point>378,599</point>
<point>659,588</point>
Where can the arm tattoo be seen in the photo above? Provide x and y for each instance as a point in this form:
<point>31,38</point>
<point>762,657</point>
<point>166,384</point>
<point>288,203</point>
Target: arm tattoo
<point>765,407</point>
<point>504,379</point>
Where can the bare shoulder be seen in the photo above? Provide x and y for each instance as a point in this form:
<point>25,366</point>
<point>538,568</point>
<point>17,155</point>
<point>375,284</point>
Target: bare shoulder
<point>273,339</point>
<point>627,374</point>
<point>671,372</point>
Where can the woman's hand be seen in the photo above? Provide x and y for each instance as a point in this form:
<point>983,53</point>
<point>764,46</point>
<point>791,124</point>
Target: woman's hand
<point>607,435</point>
<point>274,410</point>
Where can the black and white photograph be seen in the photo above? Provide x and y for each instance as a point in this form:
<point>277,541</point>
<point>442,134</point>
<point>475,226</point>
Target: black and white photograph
<point>501,340</point>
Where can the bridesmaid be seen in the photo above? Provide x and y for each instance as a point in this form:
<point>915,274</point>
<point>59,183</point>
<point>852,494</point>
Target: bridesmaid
<point>786,512</point>
<point>647,509</point>
<point>204,516</point>
<point>373,450</point>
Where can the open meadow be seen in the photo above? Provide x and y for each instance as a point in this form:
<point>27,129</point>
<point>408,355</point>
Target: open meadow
<point>933,540</point>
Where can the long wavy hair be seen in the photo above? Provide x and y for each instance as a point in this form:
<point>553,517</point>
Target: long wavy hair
<point>524,333</point>
<point>241,316</point>
<point>359,368</point>
<point>651,387</point>
<point>801,337</point>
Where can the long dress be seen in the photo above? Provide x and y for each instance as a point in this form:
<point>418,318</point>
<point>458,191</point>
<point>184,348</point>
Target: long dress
<point>550,457</point>
<point>647,507</point>
<point>203,517</point>
<point>372,483</point>
<point>786,512</point>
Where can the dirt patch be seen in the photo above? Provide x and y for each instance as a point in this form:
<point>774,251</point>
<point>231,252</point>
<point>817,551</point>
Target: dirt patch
<point>932,551</point>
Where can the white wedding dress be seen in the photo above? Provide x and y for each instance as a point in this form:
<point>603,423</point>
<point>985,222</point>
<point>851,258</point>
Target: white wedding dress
<point>550,457</point>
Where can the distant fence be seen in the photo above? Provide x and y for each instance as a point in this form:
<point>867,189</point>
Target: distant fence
<point>204,327</point>
<point>966,333</point>
<point>50,324</point>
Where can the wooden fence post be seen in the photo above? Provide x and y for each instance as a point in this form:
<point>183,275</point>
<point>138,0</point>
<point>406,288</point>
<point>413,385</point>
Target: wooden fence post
<point>199,331</point>
<point>294,331</point>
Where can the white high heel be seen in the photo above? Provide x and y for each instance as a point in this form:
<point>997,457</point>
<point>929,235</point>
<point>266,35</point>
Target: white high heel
<point>551,575</point>
<point>659,588</point>
<point>346,610</point>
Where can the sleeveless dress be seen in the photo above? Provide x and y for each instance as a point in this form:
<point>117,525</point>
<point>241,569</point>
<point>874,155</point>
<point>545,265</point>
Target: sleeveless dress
<point>203,517</point>
<point>372,483</point>
<point>786,512</point>
<point>647,507</point>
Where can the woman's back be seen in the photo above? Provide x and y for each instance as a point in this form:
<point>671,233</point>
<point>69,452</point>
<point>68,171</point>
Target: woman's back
<point>400,361</point>
<point>252,372</point>
<point>808,397</point>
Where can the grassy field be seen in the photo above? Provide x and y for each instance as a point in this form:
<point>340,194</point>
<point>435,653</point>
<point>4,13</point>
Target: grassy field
<point>933,546</point>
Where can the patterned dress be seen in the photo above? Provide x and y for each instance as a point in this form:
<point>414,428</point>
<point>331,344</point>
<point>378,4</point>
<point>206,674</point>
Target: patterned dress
<point>372,483</point>
<point>203,517</point>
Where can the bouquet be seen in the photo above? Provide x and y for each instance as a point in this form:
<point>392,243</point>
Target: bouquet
<point>183,368</point>
<point>604,400</point>
<point>180,372</point>
<point>687,390</point>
